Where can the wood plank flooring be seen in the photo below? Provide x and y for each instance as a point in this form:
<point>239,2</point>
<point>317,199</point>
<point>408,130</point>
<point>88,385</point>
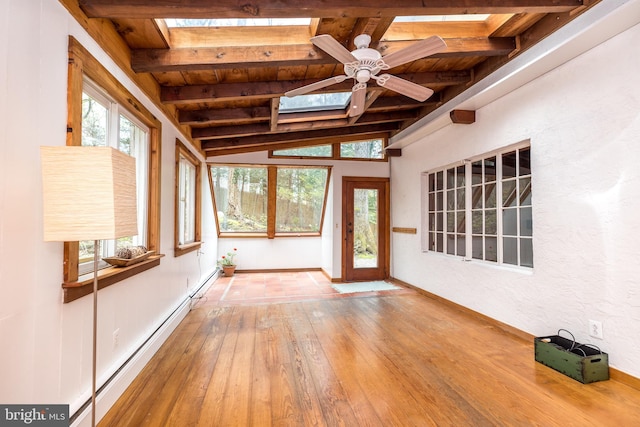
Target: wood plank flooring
<point>252,354</point>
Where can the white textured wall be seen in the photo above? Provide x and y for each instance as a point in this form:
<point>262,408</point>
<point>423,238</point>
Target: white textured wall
<point>583,120</point>
<point>46,345</point>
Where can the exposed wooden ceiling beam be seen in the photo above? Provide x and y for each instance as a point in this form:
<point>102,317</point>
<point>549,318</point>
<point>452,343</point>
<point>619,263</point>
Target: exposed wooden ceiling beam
<point>298,136</point>
<point>365,119</point>
<point>220,116</point>
<point>374,27</point>
<point>223,132</point>
<point>312,8</point>
<point>225,91</point>
<point>275,112</point>
<point>372,95</point>
<point>229,57</point>
<point>387,103</point>
<point>224,115</point>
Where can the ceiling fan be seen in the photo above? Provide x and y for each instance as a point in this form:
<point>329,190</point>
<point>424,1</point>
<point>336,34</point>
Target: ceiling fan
<point>365,63</point>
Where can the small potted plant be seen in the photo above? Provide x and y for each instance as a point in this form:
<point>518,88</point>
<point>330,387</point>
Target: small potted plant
<point>227,263</point>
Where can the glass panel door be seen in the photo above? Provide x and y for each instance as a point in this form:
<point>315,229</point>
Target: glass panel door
<point>365,228</point>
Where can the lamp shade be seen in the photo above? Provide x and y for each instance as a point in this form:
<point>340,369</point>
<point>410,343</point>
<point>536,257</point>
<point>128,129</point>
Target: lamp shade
<point>89,193</point>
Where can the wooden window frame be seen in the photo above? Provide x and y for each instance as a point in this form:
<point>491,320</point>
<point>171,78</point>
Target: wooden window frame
<point>272,177</point>
<point>335,149</point>
<point>82,63</point>
<point>183,151</point>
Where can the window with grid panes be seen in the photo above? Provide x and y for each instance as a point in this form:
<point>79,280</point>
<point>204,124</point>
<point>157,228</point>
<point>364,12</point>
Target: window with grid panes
<point>455,211</point>
<point>498,211</point>
<point>484,240</point>
<point>517,218</point>
<point>436,211</point>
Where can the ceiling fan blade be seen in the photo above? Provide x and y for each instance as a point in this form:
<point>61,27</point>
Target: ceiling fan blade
<point>418,50</point>
<point>404,87</point>
<point>315,86</point>
<point>333,48</point>
<point>358,98</point>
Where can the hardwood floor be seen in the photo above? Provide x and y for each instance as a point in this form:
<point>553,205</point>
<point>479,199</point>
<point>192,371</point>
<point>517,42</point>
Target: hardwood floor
<point>253,354</point>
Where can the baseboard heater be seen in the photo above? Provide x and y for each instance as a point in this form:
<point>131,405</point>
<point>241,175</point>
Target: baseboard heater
<point>115,374</point>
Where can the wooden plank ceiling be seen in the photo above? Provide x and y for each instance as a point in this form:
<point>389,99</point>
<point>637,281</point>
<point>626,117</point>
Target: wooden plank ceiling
<point>224,83</point>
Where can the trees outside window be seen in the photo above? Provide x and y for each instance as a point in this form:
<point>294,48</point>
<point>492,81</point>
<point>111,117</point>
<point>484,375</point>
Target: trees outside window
<point>106,124</point>
<point>187,202</point>
<point>102,112</point>
<point>269,200</point>
<point>366,150</point>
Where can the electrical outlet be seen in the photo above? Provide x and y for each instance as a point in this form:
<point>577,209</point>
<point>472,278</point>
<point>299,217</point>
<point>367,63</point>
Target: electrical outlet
<point>116,337</point>
<point>595,329</point>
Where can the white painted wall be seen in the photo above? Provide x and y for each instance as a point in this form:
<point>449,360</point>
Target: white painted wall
<point>301,252</point>
<point>46,345</point>
<point>583,120</point>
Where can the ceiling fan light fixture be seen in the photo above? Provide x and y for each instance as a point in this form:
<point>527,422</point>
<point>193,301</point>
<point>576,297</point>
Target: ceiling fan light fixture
<point>363,75</point>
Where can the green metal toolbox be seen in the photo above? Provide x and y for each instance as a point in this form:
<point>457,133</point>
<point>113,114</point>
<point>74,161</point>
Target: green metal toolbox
<point>582,362</point>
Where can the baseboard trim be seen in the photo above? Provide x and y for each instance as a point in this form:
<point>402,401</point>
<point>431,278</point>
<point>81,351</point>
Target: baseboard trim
<point>115,386</point>
<point>280,270</point>
<point>624,378</point>
<point>325,274</point>
<point>614,374</point>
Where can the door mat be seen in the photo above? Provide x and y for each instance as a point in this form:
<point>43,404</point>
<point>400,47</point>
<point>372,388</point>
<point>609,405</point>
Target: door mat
<point>349,288</point>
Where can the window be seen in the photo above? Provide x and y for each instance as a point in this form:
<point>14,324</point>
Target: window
<point>240,194</point>
<point>188,201</point>
<point>300,196</point>
<point>371,149</point>
<point>102,112</point>
<point>443,18</point>
<point>269,200</point>
<point>517,215</point>
<point>314,102</point>
<point>482,209</point>
<point>237,22</point>
<point>317,151</point>
<point>105,123</point>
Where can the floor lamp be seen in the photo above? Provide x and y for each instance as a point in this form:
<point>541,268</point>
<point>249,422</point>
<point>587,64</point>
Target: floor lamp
<point>89,193</point>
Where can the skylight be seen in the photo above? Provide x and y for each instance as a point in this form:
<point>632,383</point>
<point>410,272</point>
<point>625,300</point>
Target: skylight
<point>442,18</point>
<point>315,102</point>
<point>237,22</point>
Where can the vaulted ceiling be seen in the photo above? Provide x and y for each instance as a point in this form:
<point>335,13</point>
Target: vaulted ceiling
<point>223,84</point>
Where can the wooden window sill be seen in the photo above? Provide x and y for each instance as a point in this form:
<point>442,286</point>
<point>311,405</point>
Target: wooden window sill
<point>106,277</point>
<point>185,249</point>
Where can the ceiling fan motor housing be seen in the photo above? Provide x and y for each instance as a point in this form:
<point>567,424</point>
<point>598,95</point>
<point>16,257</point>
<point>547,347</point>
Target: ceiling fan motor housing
<point>369,62</point>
